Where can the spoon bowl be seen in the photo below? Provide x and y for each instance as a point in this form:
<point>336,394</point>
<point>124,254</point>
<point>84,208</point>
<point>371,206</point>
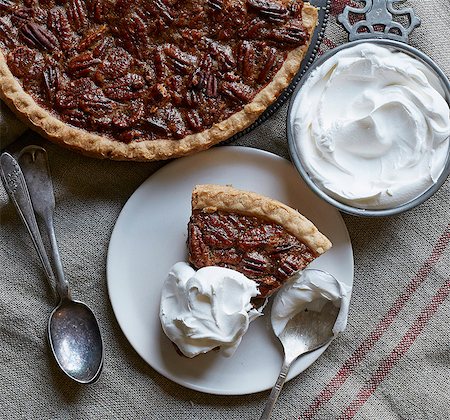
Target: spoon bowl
<point>73,336</point>
<point>308,330</point>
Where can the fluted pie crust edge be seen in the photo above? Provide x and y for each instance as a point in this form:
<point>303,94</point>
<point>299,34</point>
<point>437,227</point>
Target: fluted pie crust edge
<point>50,127</point>
<point>212,198</point>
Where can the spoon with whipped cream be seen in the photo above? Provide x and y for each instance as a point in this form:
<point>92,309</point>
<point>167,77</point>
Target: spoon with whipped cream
<point>306,315</point>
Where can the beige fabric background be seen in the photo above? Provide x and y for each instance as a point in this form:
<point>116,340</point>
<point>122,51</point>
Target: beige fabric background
<point>401,263</point>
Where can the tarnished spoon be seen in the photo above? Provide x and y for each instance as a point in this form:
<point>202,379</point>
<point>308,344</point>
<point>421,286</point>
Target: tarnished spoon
<point>305,332</point>
<point>73,331</point>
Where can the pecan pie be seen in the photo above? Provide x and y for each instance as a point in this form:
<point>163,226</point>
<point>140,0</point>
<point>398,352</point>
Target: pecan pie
<point>262,238</point>
<point>147,79</point>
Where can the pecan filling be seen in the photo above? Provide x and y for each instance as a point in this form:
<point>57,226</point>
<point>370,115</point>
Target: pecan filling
<point>138,70</point>
<point>263,251</point>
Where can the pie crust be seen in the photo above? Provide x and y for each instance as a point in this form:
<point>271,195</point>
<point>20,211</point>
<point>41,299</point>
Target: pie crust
<point>212,198</point>
<point>46,124</point>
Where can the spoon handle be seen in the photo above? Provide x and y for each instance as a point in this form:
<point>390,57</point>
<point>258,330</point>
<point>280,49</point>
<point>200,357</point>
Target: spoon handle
<point>16,187</point>
<point>276,390</point>
<point>34,163</point>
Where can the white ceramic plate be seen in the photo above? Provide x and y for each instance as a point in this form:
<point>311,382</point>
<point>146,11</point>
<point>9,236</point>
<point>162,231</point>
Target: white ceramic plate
<point>150,236</point>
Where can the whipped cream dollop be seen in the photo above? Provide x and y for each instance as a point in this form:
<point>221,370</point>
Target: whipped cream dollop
<point>310,289</point>
<point>204,309</point>
<point>372,127</point>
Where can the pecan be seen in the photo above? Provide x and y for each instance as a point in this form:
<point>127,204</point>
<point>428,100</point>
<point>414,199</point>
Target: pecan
<point>38,36</point>
<point>158,125</point>
<point>271,58</point>
<point>103,48</point>
<point>160,9</point>
<point>40,15</point>
<point>290,34</point>
<point>206,114</point>
<point>125,88</point>
<point>159,93</point>
<point>75,117</point>
<point>196,78</point>
<point>191,35</point>
<point>254,263</point>
<point>203,73</point>
<point>69,96</point>
<point>282,247</point>
<point>289,265</point>
<point>191,98</point>
<point>216,5</point>
<point>82,64</point>
<point>129,117</point>
<point>134,35</point>
<point>194,120</point>
<point>198,250</point>
<point>51,81</point>
<point>7,34</point>
<point>218,232</point>
<point>7,5</point>
<point>91,38</point>
<point>229,258</point>
<point>98,10</point>
<point>181,61</point>
<point>22,15</point>
<point>253,28</point>
<point>211,86</point>
<point>100,120</point>
<point>95,103</point>
<point>175,123</point>
<point>258,236</point>
<point>239,223</point>
<point>135,81</point>
<point>222,53</point>
<point>246,58</point>
<point>237,91</point>
<point>160,63</point>
<point>122,6</point>
<point>67,99</point>
<point>58,23</point>
<point>115,65</point>
<point>295,8</point>
<point>131,135</point>
<point>25,62</point>
<point>269,10</point>
<point>231,77</point>
<point>267,286</point>
<point>77,14</point>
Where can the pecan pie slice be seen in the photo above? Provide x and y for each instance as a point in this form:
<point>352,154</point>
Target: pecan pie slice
<point>262,238</point>
<point>148,79</point>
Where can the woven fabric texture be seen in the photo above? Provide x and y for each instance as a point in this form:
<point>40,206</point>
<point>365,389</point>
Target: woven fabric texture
<point>392,362</point>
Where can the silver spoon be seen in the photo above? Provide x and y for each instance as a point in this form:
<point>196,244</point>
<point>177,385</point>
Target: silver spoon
<point>73,331</point>
<point>305,332</point>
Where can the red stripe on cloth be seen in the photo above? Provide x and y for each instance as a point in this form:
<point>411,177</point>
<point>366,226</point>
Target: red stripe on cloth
<point>399,351</point>
<point>329,44</point>
<point>366,345</point>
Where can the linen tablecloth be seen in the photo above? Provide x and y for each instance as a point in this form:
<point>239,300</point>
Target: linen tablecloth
<point>392,362</point>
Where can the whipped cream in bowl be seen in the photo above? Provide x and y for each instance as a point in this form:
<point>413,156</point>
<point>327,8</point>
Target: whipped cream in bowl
<point>369,127</point>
